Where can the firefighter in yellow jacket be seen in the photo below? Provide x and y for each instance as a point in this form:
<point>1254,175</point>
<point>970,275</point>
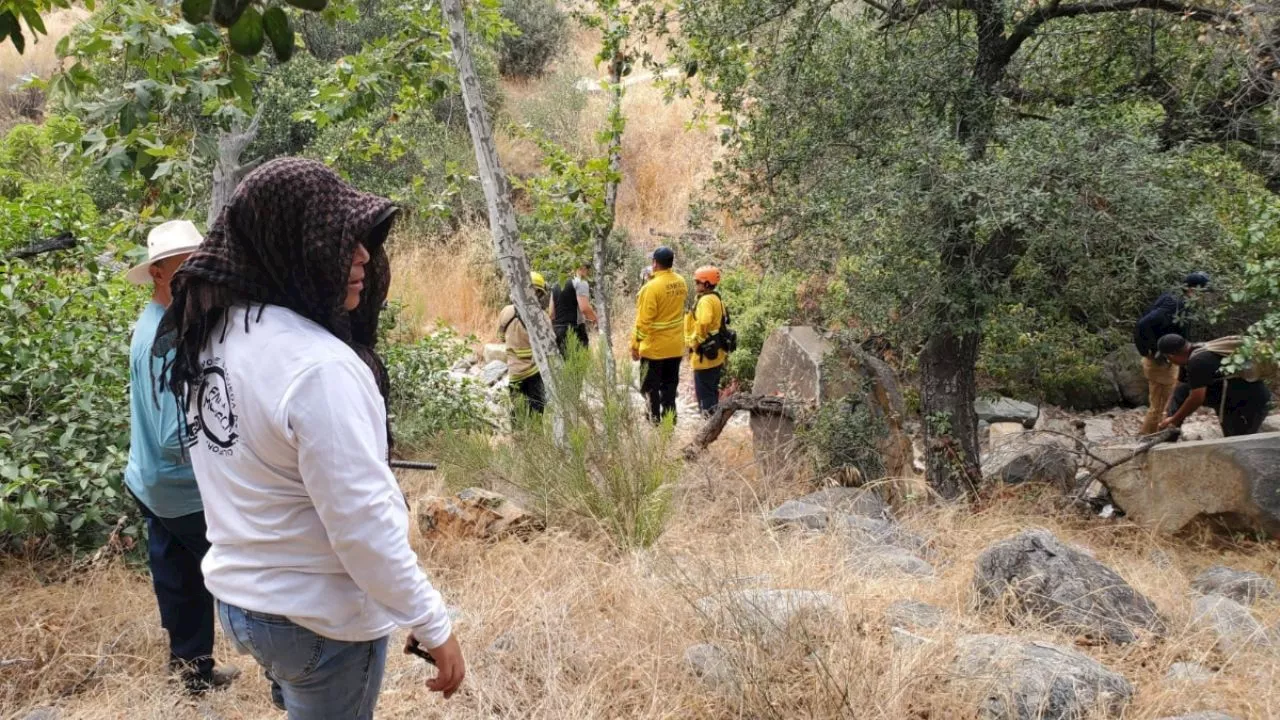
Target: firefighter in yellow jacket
<point>658,339</point>
<point>702,333</point>
<point>522,372</point>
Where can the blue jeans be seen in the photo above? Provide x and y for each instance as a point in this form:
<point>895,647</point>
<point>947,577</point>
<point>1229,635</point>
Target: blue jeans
<point>319,678</point>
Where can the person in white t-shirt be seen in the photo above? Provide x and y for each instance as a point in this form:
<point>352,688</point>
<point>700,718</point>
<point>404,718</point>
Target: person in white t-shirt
<point>274,323</point>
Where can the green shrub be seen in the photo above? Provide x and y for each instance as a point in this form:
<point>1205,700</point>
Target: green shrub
<point>544,33</point>
<point>757,305</point>
<point>65,326</point>
<point>845,435</point>
<point>1028,355</point>
<point>425,399</point>
<point>614,473</point>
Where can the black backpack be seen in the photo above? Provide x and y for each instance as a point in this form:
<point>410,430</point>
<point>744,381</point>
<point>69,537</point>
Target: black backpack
<point>723,339</point>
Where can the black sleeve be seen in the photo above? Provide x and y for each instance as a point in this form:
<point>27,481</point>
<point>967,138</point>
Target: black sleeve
<point>1159,321</point>
<point>1202,369</point>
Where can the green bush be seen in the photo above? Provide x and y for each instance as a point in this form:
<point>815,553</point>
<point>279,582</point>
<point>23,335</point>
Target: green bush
<point>757,305</point>
<point>845,435</point>
<point>1028,355</point>
<point>613,474</point>
<point>65,326</point>
<point>544,33</point>
<point>426,400</point>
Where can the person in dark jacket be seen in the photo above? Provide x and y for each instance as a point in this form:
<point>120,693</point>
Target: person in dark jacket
<point>1240,400</point>
<point>1165,317</point>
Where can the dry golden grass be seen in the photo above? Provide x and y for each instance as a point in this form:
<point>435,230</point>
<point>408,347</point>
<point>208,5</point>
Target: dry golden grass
<point>563,627</point>
<point>450,283</point>
<point>39,58</point>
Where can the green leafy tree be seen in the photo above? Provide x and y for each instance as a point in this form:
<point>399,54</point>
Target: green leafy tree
<point>939,160</point>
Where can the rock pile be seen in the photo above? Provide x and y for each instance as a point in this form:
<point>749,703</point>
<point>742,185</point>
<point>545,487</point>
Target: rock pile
<point>474,513</point>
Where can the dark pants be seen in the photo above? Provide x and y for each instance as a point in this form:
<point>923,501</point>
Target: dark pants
<point>659,381</point>
<point>175,548</point>
<point>532,392</point>
<point>706,384</point>
<point>562,336</point>
<point>1242,414</point>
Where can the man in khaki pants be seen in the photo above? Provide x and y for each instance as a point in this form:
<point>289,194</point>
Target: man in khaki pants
<point>1166,316</point>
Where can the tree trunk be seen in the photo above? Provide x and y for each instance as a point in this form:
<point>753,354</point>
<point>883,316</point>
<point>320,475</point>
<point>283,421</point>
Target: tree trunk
<point>948,389</point>
<point>502,216</point>
<point>600,248</point>
<point>227,170</point>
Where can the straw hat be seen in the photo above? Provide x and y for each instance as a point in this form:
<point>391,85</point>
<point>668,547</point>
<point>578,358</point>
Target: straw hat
<point>176,237</point>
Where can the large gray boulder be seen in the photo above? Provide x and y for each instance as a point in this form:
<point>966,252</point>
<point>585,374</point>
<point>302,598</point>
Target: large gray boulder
<point>914,615</point>
<point>1233,626</point>
<point>796,514</point>
<point>1239,585</point>
<point>1019,680</point>
<point>863,531</point>
<point>848,501</point>
<point>803,364</point>
<point>1030,457</point>
<point>1236,480</point>
<point>1123,368</point>
<point>1063,586</point>
<point>1003,409</point>
<point>1188,672</point>
<point>769,616</point>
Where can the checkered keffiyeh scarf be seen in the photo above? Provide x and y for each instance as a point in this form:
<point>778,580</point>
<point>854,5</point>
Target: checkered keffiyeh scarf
<point>287,237</point>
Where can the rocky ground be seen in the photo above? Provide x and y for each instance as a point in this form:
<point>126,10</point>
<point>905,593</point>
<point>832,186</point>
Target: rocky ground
<point>765,599</point>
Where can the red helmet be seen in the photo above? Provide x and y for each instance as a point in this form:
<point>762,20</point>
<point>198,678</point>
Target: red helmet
<point>709,274</point>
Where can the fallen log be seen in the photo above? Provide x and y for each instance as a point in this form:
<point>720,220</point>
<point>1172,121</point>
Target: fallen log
<point>754,404</point>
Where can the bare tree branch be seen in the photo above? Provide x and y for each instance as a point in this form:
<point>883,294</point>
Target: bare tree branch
<point>1025,29</point>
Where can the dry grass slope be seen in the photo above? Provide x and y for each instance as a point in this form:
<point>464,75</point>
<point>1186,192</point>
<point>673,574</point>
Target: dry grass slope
<point>562,627</point>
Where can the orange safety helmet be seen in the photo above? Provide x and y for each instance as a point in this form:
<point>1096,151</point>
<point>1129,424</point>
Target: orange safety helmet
<point>709,274</point>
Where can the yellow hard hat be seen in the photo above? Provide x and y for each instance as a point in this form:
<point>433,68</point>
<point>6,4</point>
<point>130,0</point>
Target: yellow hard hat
<point>538,281</point>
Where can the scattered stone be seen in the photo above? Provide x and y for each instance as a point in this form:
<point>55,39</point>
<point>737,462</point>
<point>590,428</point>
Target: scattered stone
<point>1204,715</point>
<point>1002,431</point>
<point>1063,586</point>
<point>1005,409</point>
<point>1161,559</point>
<point>1188,672</point>
<point>1021,680</point>
<point>463,365</point>
<point>914,615</point>
<point>1240,585</point>
<point>1099,429</point>
<point>906,641</point>
<point>494,371</point>
<point>473,513</point>
<point>863,531</point>
<point>711,664</point>
<point>768,615</point>
<point>797,514</point>
<point>1123,368</point>
<point>494,352</point>
<point>849,501</point>
<point>1234,479</point>
<point>1201,428</point>
<point>878,561</point>
<point>1030,458</point>
<point>43,713</point>
<point>1271,424</point>
<point>1235,627</point>
<point>503,643</point>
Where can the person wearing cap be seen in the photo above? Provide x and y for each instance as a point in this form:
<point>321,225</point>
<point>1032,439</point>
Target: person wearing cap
<point>523,376</point>
<point>1166,316</point>
<point>1240,398</point>
<point>160,478</point>
<point>702,326</point>
<point>571,308</point>
<point>657,340</point>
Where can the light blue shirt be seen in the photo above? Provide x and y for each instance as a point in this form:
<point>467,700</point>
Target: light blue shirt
<point>159,471</point>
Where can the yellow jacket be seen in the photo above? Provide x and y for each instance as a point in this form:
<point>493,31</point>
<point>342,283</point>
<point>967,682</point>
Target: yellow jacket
<point>658,334</point>
<point>511,330</point>
<point>700,323</point>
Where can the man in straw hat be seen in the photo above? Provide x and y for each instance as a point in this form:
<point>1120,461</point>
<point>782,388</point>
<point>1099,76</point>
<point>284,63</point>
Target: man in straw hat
<point>160,477</point>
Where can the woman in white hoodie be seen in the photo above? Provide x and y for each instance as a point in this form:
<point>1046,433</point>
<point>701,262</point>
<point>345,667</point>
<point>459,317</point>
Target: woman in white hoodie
<point>274,321</point>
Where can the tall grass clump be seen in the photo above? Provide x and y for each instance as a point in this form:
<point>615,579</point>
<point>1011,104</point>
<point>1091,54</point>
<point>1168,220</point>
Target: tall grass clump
<point>612,472</point>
